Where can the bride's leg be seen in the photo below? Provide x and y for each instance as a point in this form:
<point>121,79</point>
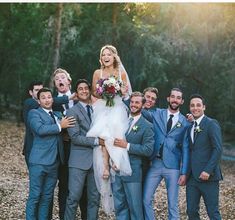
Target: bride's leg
<point>106,163</point>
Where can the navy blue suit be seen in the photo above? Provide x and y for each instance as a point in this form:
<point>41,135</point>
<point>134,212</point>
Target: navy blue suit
<point>46,153</point>
<point>205,154</point>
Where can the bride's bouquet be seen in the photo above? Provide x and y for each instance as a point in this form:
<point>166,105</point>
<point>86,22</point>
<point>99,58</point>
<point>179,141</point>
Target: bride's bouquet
<point>108,88</point>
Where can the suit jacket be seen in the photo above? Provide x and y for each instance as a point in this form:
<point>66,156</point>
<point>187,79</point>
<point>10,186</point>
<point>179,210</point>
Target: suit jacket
<point>81,155</point>
<point>175,143</point>
<point>59,101</point>
<point>47,142</point>
<point>205,152</point>
<point>141,144</point>
<point>29,104</point>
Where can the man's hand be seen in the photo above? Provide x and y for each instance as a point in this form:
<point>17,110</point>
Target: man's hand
<point>73,97</point>
<point>182,180</point>
<point>190,117</point>
<point>120,143</point>
<point>101,141</point>
<point>67,122</point>
<point>204,175</point>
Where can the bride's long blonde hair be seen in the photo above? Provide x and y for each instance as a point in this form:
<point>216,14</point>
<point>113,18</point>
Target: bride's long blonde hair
<point>112,49</point>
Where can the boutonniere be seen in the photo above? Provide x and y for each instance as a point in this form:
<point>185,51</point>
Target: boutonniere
<point>178,125</point>
<point>197,129</point>
<point>135,128</point>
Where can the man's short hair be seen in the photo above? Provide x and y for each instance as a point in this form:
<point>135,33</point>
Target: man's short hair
<point>176,89</point>
<point>196,95</point>
<point>151,89</point>
<point>35,83</point>
<point>82,81</point>
<point>44,89</point>
<point>138,94</point>
<point>60,70</point>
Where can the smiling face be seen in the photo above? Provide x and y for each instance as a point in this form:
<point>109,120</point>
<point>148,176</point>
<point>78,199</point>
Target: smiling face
<point>107,58</point>
<point>136,104</point>
<point>197,107</point>
<point>62,83</point>
<point>45,100</point>
<point>150,98</point>
<point>83,92</point>
<point>175,100</point>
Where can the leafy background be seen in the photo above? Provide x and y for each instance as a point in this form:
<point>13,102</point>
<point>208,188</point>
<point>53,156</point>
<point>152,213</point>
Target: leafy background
<point>161,44</point>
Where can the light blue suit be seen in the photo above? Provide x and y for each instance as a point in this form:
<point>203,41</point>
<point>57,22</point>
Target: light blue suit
<point>47,151</point>
<point>174,162</point>
<point>127,190</point>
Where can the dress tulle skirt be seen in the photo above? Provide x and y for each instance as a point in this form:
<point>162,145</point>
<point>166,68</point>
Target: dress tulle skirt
<point>109,123</point>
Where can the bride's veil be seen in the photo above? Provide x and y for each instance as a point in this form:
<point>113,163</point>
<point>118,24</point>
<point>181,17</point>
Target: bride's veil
<point>122,69</point>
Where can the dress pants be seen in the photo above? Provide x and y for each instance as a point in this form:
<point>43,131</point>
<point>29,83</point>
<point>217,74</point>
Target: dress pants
<point>156,173</point>
<point>43,179</point>
<point>209,191</point>
<point>77,180</point>
<point>127,199</point>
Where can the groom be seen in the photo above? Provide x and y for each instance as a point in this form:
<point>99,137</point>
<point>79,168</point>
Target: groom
<point>127,190</point>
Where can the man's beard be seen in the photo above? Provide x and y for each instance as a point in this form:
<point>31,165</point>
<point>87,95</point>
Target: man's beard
<point>173,108</point>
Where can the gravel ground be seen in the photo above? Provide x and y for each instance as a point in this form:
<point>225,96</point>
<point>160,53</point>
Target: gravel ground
<point>14,182</point>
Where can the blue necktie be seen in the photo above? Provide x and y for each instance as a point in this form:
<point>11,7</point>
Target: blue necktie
<point>88,108</point>
<point>52,115</point>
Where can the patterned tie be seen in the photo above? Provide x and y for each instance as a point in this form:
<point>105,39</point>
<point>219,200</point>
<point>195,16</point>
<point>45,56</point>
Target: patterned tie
<point>169,123</point>
<point>52,115</point>
<point>88,108</point>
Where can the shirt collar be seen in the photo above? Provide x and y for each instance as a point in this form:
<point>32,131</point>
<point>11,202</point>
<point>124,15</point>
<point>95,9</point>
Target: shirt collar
<point>68,93</point>
<point>47,110</point>
<point>136,118</point>
<point>199,119</point>
<point>176,114</point>
<point>83,104</point>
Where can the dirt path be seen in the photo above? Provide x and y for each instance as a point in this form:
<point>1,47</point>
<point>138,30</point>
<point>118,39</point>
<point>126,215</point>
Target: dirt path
<point>14,182</point>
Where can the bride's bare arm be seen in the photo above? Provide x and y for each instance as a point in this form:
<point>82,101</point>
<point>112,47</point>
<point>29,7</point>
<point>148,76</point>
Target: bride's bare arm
<point>96,77</point>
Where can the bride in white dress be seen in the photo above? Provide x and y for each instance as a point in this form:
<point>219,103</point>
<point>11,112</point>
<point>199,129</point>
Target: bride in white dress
<point>109,123</point>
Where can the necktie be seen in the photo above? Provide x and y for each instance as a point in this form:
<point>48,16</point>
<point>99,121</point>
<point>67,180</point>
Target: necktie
<point>52,115</point>
<point>131,119</point>
<point>169,123</point>
<point>88,108</point>
<point>194,130</point>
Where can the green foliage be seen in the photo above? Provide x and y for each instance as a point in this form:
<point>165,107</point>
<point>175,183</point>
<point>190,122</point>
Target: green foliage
<point>163,45</point>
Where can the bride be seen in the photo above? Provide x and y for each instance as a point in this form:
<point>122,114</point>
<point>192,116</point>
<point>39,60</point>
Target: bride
<point>109,121</point>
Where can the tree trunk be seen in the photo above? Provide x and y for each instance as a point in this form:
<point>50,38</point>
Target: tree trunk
<point>114,22</point>
<point>56,58</point>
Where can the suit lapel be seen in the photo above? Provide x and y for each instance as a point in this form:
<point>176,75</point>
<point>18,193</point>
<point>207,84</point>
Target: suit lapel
<point>202,126</point>
<point>163,120</point>
<point>84,113</point>
<point>138,124</point>
<point>46,115</point>
<point>179,122</point>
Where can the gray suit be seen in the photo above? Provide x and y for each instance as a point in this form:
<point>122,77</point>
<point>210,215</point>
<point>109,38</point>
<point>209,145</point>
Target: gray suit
<point>80,165</point>
<point>205,153</point>
<point>127,190</point>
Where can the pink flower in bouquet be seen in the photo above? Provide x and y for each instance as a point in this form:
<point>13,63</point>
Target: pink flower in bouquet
<point>108,88</point>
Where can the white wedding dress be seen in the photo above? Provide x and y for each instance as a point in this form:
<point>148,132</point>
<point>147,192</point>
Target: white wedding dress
<point>109,123</point>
